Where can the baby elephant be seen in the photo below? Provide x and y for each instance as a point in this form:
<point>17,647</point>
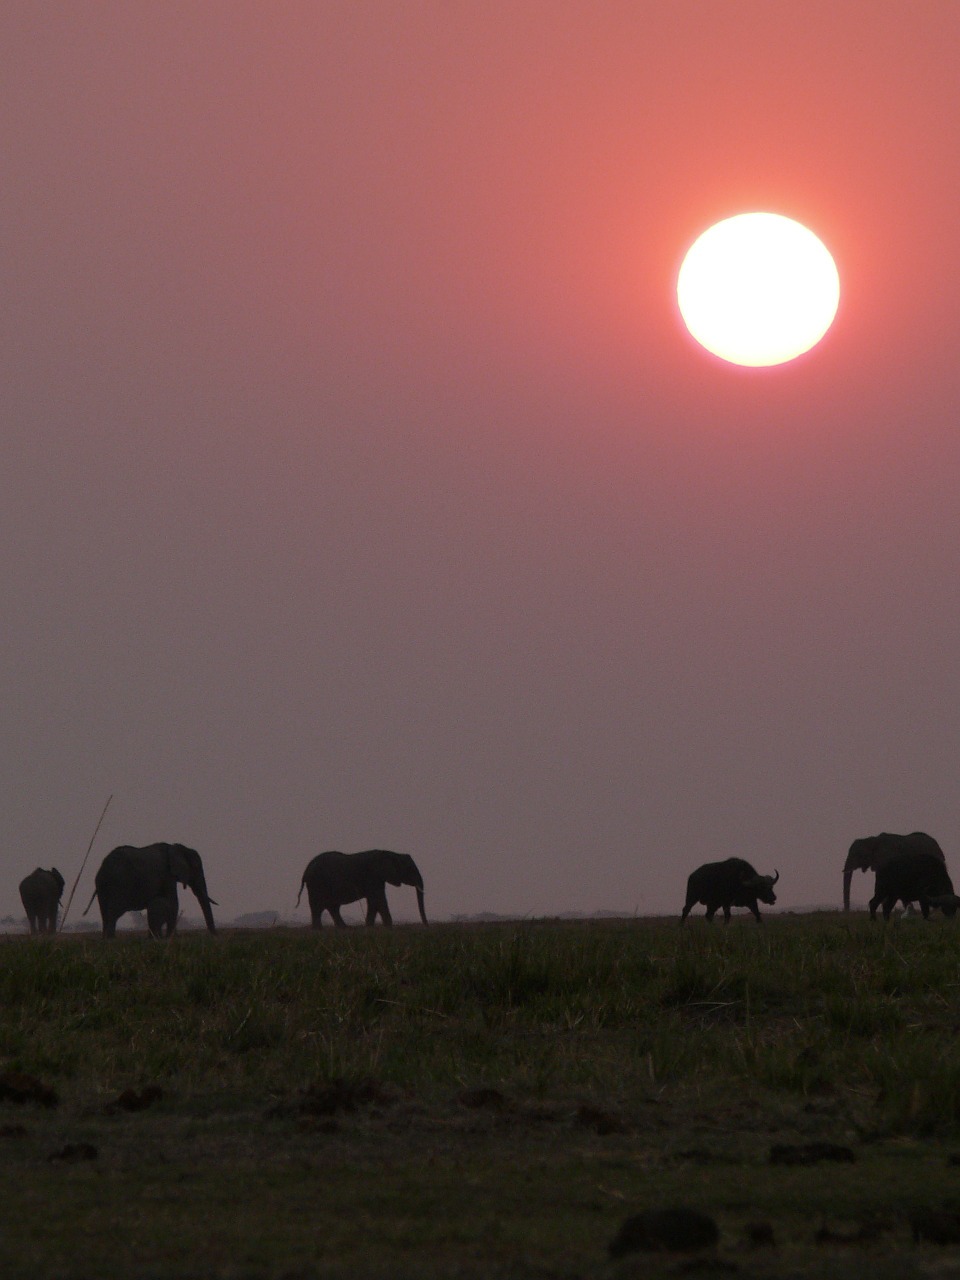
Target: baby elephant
<point>40,893</point>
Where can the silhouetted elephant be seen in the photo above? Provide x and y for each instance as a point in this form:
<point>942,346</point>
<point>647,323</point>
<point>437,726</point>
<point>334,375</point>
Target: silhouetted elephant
<point>871,852</point>
<point>40,893</point>
<point>146,879</point>
<point>334,879</point>
<point>914,877</point>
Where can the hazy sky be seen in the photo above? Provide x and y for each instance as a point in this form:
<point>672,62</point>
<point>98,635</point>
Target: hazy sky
<point>361,485</point>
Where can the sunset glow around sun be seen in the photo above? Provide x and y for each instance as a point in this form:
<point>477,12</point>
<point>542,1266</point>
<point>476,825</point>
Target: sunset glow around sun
<point>758,289</point>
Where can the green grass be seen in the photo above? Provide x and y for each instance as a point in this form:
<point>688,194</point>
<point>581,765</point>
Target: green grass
<point>635,1065</point>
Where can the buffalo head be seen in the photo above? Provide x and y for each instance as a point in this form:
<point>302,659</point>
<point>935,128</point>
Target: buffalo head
<point>762,886</point>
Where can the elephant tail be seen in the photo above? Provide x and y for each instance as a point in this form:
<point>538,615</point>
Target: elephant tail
<point>302,883</point>
<point>90,903</point>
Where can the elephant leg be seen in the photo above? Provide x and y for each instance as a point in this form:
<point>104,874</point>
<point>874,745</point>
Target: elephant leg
<point>316,909</point>
<point>925,908</point>
<point>110,925</point>
<point>156,915</point>
<point>337,918</point>
<point>377,906</point>
<point>726,914</point>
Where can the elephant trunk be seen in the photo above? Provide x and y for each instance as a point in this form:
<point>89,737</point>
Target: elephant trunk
<point>847,877</point>
<point>423,914</point>
<point>199,887</point>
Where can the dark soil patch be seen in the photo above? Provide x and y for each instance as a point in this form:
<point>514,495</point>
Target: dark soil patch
<point>600,1121</point>
<point>938,1226</point>
<point>665,1230</point>
<point>810,1153</point>
<point>332,1096</point>
<point>708,1266</point>
<point>865,1232</point>
<point>482,1097</point>
<point>759,1235</point>
<point>131,1100</point>
<point>75,1152</point>
<point>344,1095</point>
<point>700,1155</point>
<point>18,1087</point>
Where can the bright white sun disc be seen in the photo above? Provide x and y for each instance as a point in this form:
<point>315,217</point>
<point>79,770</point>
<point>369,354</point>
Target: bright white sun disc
<point>758,289</point>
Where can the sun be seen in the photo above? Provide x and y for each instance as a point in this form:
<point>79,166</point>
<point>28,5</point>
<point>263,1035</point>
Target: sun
<point>758,289</point>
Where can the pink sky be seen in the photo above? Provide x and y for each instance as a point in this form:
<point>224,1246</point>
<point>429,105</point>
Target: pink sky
<point>361,485</point>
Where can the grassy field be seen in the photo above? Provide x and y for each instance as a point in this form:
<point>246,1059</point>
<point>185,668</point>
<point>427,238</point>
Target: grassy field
<point>482,1101</point>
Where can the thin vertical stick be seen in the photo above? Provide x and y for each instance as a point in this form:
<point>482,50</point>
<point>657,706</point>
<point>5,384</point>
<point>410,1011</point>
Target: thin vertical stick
<point>84,862</point>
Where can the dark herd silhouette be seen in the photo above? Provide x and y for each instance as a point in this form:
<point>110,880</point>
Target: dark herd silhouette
<point>148,879</point>
<point>909,869</point>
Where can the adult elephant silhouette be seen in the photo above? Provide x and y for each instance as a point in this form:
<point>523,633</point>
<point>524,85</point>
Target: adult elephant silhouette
<point>40,893</point>
<point>333,879</point>
<point>146,879</point>
<point>872,852</point>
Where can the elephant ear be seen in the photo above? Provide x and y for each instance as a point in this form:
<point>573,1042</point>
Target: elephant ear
<point>178,864</point>
<point>859,856</point>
